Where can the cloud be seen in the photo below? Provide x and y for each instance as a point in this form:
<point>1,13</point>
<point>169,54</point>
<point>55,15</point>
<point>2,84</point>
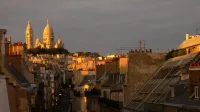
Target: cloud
<point>104,25</point>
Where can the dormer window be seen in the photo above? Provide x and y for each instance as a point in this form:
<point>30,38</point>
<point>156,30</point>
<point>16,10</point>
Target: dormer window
<point>196,90</point>
<point>172,92</point>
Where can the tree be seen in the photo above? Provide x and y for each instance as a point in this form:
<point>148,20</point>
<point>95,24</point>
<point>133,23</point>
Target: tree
<point>174,53</point>
<point>40,50</point>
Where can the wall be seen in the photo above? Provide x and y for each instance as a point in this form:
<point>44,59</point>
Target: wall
<point>16,61</point>
<point>92,104</point>
<point>140,68</point>
<point>170,109</point>
<point>100,62</point>
<point>105,92</point>
<point>78,104</point>
<point>4,102</point>
<point>69,74</point>
<point>79,75</point>
<point>10,78</point>
<point>117,96</point>
<point>194,78</point>
<point>7,43</point>
<point>117,65</point>
<point>2,52</point>
<point>16,49</point>
<point>100,69</point>
<point>112,66</point>
<point>17,98</point>
<point>123,65</point>
<point>28,76</point>
<point>90,64</point>
<point>12,98</point>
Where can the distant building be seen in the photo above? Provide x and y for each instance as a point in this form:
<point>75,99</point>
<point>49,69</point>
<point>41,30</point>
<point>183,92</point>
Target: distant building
<point>48,38</point>
<point>191,43</point>
<point>15,48</point>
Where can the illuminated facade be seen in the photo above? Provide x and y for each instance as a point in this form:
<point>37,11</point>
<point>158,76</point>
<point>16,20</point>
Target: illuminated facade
<point>48,38</point>
<point>191,43</point>
<point>16,48</point>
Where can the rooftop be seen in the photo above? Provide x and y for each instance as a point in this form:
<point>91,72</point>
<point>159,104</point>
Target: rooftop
<point>157,88</point>
<point>88,80</point>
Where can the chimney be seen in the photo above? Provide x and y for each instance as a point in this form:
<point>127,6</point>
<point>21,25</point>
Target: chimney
<point>7,44</point>
<point>150,50</point>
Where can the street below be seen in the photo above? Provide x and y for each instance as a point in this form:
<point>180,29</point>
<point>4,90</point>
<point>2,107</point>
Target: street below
<point>65,105</point>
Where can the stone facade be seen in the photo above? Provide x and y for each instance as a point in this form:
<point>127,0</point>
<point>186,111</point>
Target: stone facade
<point>140,67</point>
<point>79,104</point>
<point>112,65</point>
<point>117,96</point>
<point>92,104</point>
<point>100,69</point>
<point>16,61</point>
<point>4,102</point>
<point>17,98</point>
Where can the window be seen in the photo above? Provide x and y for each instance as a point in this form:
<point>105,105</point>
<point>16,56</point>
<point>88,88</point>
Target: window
<point>172,92</point>
<point>196,90</point>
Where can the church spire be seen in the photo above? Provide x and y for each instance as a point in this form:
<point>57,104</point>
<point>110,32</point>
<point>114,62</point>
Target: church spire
<point>29,22</point>
<point>48,23</point>
<point>29,25</point>
<point>29,35</point>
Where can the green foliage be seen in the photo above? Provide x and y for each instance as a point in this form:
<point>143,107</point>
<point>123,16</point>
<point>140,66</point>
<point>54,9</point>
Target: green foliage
<point>39,50</point>
<point>91,54</point>
<point>175,53</point>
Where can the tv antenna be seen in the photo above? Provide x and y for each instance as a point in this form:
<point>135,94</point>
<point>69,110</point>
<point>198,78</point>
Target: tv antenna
<point>197,30</point>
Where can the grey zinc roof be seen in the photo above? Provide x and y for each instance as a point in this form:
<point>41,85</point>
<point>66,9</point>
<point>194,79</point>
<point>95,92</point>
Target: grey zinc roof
<point>98,78</point>
<point>113,78</point>
<point>88,79</point>
<point>156,89</point>
<point>20,78</point>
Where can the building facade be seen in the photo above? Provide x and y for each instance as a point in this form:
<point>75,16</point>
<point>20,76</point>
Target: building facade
<point>48,38</point>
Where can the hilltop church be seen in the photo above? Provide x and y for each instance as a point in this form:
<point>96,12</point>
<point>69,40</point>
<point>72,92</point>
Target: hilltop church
<point>48,38</point>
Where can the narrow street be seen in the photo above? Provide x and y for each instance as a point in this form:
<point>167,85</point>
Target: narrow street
<point>65,103</point>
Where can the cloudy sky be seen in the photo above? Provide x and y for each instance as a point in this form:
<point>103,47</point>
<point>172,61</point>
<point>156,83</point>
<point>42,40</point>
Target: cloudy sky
<point>104,25</point>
